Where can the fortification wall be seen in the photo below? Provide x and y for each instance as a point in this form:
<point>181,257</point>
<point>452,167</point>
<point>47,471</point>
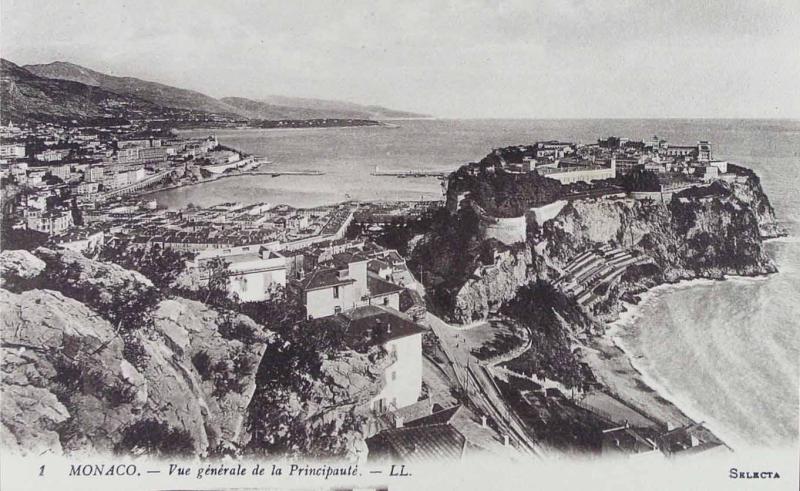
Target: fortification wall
<point>506,230</point>
<point>547,212</point>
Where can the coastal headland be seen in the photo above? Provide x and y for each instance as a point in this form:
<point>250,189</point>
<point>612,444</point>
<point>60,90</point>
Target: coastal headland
<point>606,243</point>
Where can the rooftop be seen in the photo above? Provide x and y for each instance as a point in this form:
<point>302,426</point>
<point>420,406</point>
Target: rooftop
<point>324,278</point>
<point>378,286</point>
<point>379,324</point>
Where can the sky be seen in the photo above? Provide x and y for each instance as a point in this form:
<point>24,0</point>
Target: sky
<point>461,59</point>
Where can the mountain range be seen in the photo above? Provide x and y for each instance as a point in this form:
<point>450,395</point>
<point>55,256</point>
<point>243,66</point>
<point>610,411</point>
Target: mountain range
<point>62,90</point>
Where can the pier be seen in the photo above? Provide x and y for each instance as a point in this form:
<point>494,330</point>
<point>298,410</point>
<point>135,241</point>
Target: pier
<point>410,173</point>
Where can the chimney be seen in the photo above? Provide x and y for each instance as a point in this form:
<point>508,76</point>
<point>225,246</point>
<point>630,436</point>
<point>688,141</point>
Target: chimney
<point>695,440</point>
<point>670,426</point>
<point>483,421</point>
<point>398,421</point>
<point>506,441</point>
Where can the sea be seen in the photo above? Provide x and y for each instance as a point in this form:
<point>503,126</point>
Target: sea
<point>726,352</point>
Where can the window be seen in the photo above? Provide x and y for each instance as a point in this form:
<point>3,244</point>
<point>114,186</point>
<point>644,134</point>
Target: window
<point>385,300</point>
<point>394,375</point>
<point>337,310</point>
<point>335,292</point>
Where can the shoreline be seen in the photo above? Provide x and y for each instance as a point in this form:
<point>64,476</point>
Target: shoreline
<point>616,366</point>
<point>304,128</point>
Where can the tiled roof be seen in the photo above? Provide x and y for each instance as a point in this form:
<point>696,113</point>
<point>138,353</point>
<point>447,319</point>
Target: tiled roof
<point>342,259</point>
<point>379,324</point>
<point>378,286</point>
<point>410,299</point>
<point>421,444</point>
<point>440,417</point>
<point>377,265</point>
<point>324,278</point>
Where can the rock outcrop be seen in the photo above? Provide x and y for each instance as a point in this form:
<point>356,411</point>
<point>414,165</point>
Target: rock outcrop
<point>19,266</point>
<point>707,232</point>
<point>77,375</point>
<point>328,415</point>
<point>494,284</point>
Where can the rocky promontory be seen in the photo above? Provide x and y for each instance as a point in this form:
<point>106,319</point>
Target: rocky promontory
<point>707,231</point>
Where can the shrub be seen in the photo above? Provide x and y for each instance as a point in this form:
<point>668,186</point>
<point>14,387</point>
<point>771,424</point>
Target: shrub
<point>202,363</point>
<point>133,350</point>
<point>155,438</point>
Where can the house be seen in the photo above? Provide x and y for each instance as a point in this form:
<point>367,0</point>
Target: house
<point>343,283</point>
<point>61,171</point>
<point>402,340</point>
<point>327,292</point>
<point>253,276</point>
<point>354,266</point>
<point>94,173</point>
<point>256,277</point>
<point>710,173</point>
<point>381,268</point>
<point>382,292</point>
<point>446,435</point>
<point>12,150</point>
<point>50,222</point>
<point>52,155</point>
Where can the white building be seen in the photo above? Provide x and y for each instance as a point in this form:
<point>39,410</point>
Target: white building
<point>327,292</point>
<point>61,171</point>
<point>51,155</point>
<point>253,276</point>
<point>570,175</point>
<point>256,277</point>
<point>50,222</point>
<point>402,340</point>
<point>12,151</point>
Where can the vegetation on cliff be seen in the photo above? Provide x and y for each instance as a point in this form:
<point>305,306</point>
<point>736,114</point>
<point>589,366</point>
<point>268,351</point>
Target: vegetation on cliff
<point>554,321</point>
<point>504,194</point>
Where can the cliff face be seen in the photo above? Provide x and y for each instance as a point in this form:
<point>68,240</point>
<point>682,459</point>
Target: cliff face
<point>704,232</point>
<point>750,192</point>
<point>493,285</point>
<point>74,382</point>
<point>322,415</point>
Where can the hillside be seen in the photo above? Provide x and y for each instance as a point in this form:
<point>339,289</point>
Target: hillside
<point>265,110</point>
<point>100,359</point>
<point>341,107</point>
<point>159,94</point>
<point>27,96</point>
<point>270,108</point>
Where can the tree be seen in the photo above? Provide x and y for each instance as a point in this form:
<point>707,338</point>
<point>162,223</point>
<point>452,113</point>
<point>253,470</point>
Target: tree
<point>155,438</point>
<point>641,180</point>
<point>161,265</point>
<point>216,289</point>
